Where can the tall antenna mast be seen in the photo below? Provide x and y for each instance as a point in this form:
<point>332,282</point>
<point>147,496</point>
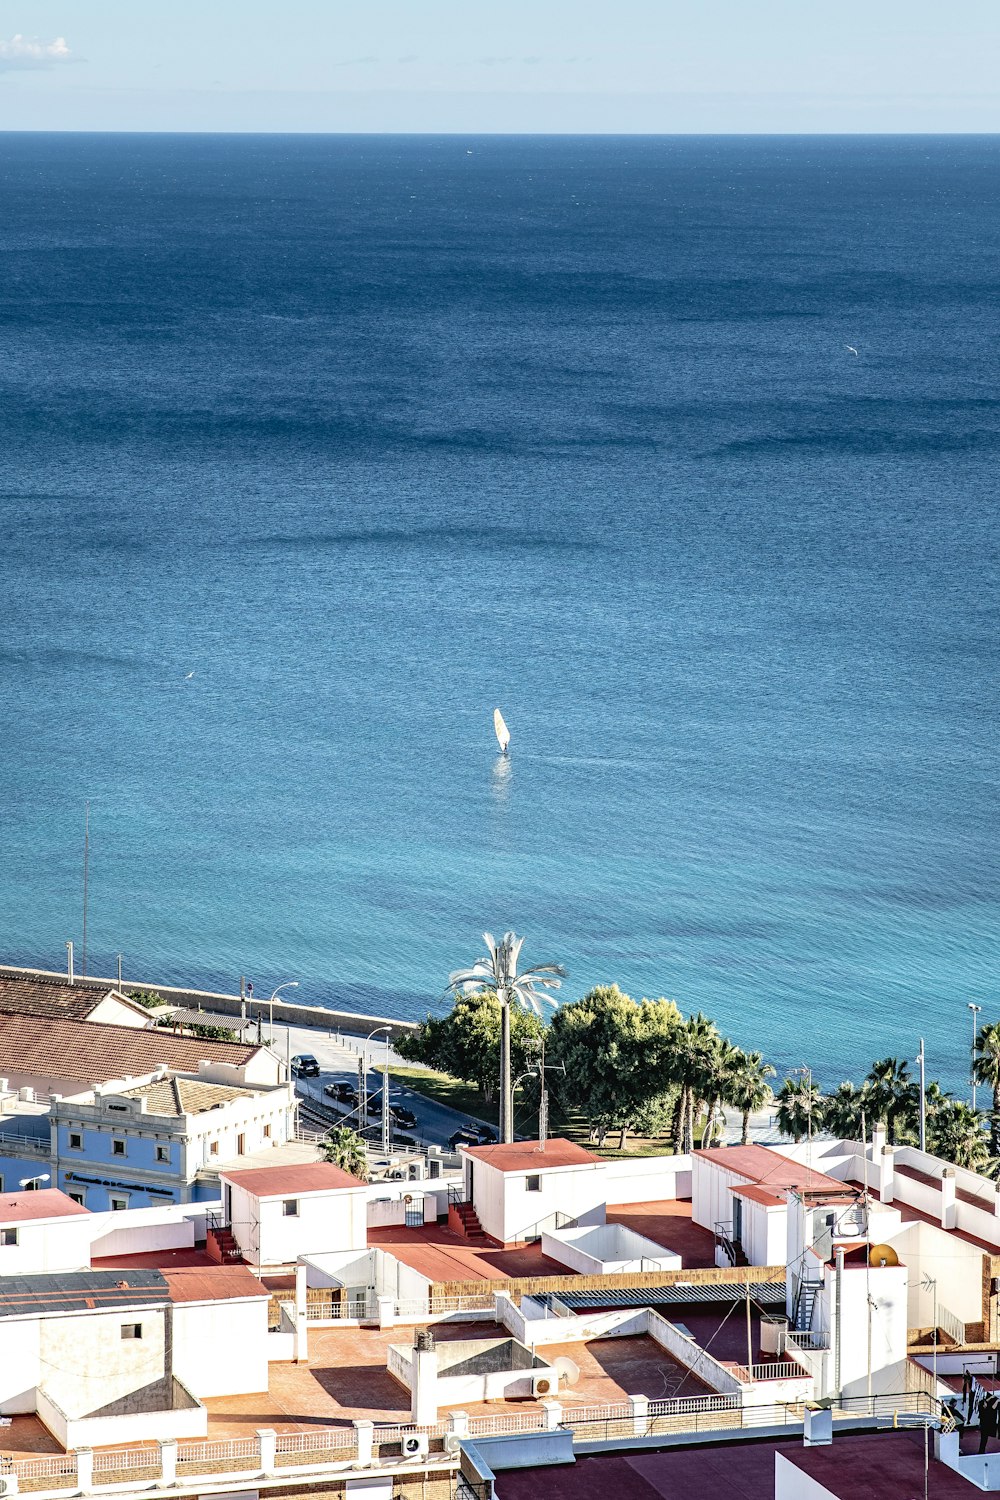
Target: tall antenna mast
<point>86,864</point>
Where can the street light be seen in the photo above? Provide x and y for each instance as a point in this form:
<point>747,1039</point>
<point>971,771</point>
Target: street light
<point>922,1059</point>
<point>975,1011</point>
<point>30,1183</point>
<point>385,1087</point>
<point>289,984</point>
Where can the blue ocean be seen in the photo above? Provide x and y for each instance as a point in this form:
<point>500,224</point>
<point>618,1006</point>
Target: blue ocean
<point>682,451</point>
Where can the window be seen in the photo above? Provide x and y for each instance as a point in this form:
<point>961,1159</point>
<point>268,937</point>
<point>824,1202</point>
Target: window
<point>80,1198</point>
<point>118,1202</point>
<point>241,1144</point>
<point>131,1330</point>
<point>267,1132</point>
<point>290,1208</point>
<point>533,1184</point>
<point>8,1236</point>
<point>117,1148</point>
<point>163,1153</point>
<point>213,1148</point>
<point>75,1140</point>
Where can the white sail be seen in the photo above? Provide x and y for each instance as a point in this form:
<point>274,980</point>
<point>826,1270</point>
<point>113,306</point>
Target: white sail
<point>502,732</point>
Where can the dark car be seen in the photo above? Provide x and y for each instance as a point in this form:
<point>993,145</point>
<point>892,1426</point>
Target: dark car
<point>304,1065</point>
<point>485,1134</point>
<point>343,1093</point>
<point>463,1138</point>
<point>404,1117</point>
<point>374,1104</point>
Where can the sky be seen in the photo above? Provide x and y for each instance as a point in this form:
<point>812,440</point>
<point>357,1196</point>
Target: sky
<point>509,66</point>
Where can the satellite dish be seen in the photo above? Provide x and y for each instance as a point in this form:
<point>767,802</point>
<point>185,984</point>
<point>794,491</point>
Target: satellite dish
<point>882,1255</point>
<point>567,1370</point>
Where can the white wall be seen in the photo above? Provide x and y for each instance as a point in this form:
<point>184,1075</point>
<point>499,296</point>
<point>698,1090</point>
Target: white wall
<point>19,1366</point>
<point>55,1245</point>
<point>607,1248</point>
<point>765,1233</point>
<point>791,1483</point>
<point>84,1363</point>
<point>508,1211</point>
<point>112,1011</point>
<point>647,1179</point>
<point>220,1348</point>
<point>888,1289</point>
<point>954,1264</point>
<point>334,1220</point>
<point>169,1226</point>
<point>711,1192</point>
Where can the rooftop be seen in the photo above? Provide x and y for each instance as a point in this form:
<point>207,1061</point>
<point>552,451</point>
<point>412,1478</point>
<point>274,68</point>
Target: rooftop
<point>44,1203</point>
<point>861,1466</point>
<point>83,1052</point>
<point>764,1167</point>
<point>531,1156</point>
<point>78,1291</point>
<point>184,1096</point>
<point>41,995</point>
<point>443,1255</point>
<point>281,1182</point>
<point>212,1284</point>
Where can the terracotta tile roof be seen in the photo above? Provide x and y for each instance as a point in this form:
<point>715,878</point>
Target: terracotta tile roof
<point>760,1165</point>
<point>87,1053</point>
<point>218,1284</point>
<point>527,1156</point>
<point>281,1182</point>
<point>38,995</point>
<point>46,1203</point>
<point>184,1096</point>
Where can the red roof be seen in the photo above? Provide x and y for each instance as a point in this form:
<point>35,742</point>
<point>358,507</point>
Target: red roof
<point>282,1182</point>
<point>760,1195</point>
<point>529,1156</point>
<point>760,1165</point>
<point>213,1284</point>
<point>46,1203</point>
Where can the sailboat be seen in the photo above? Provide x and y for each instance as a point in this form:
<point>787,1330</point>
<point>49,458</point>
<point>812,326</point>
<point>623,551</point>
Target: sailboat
<point>502,732</point>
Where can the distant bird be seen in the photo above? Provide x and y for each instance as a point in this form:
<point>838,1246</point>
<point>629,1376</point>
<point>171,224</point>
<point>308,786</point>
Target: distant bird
<point>189,676</point>
<point>851,349</point>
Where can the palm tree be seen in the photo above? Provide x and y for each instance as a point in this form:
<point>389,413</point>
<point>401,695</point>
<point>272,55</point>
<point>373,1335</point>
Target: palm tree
<point>498,971</point>
<point>748,1089</point>
<point>800,1108</point>
<point>691,1066</point>
<point>894,1096</point>
<point>848,1112</point>
<point>986,1066</point>
<point>958,1133</point>
<point>346,1150</point>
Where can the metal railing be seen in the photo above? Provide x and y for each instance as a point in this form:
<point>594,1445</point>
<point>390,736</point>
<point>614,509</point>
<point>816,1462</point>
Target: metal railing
<point>778,1369</point>
<point>950,1324</point>
<point>24,1145</point>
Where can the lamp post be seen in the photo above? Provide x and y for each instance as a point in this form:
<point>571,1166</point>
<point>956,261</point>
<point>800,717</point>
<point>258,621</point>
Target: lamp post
<point>927,1282</point>
<point>30,1184</point>
<point>975,1009</point>
<point>289,984</point>
<point>921,1059</point>
<point>385,1087</point>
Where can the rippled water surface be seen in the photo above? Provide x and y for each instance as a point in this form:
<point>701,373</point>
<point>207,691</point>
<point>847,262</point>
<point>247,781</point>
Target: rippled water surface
<point>371,435</point>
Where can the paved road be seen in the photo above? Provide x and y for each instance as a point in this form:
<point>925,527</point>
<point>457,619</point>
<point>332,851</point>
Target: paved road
<point>338,1056</point>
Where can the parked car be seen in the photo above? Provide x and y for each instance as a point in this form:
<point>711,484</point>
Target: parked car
<point>401,1116</point>
<point>463,1138</point>
<point>344,1093</point>
<point>304,1065</point>
<point>374,1104</point>
<point>485,1134</point>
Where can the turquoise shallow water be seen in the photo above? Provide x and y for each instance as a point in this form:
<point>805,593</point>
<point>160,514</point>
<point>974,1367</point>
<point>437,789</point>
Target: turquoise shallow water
<point>371,435</point>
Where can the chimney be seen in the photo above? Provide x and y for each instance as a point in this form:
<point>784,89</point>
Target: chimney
<point>423,1391</point>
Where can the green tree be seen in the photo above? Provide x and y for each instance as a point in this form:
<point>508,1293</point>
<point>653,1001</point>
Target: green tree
<point>800,1108</point>
<point>614,1051</point>
<point>986,1066</point>
<point>148,998</point>
<point>894,1097</point>
<point>346,1150</point>
<point>843,1111</point>
<point>693,1068</point>
<point>958,1132</point>
<point>747,1087</point>
<point>466,1042</point>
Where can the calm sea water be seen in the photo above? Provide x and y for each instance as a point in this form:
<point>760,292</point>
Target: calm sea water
<point>372,435</point>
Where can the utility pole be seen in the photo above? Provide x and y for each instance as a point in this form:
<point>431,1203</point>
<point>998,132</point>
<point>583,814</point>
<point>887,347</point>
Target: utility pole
<point>86,863</point>
<point>385,1101</point>
<point>506,1089</point>
<point>119,971</point>
<point>975,1009</point>
<point>921,1059</point>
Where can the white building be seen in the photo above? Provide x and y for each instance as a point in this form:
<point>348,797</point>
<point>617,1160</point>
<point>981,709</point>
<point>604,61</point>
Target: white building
<point>517,1191</point>
<point>43,1231</point>
<point>277,1214</point>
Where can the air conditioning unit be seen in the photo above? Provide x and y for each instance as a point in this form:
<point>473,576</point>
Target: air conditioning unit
<point>8,1484</point>
<point>453,1442</point>
<point>543,1385</point>
<point>415,1445</point>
